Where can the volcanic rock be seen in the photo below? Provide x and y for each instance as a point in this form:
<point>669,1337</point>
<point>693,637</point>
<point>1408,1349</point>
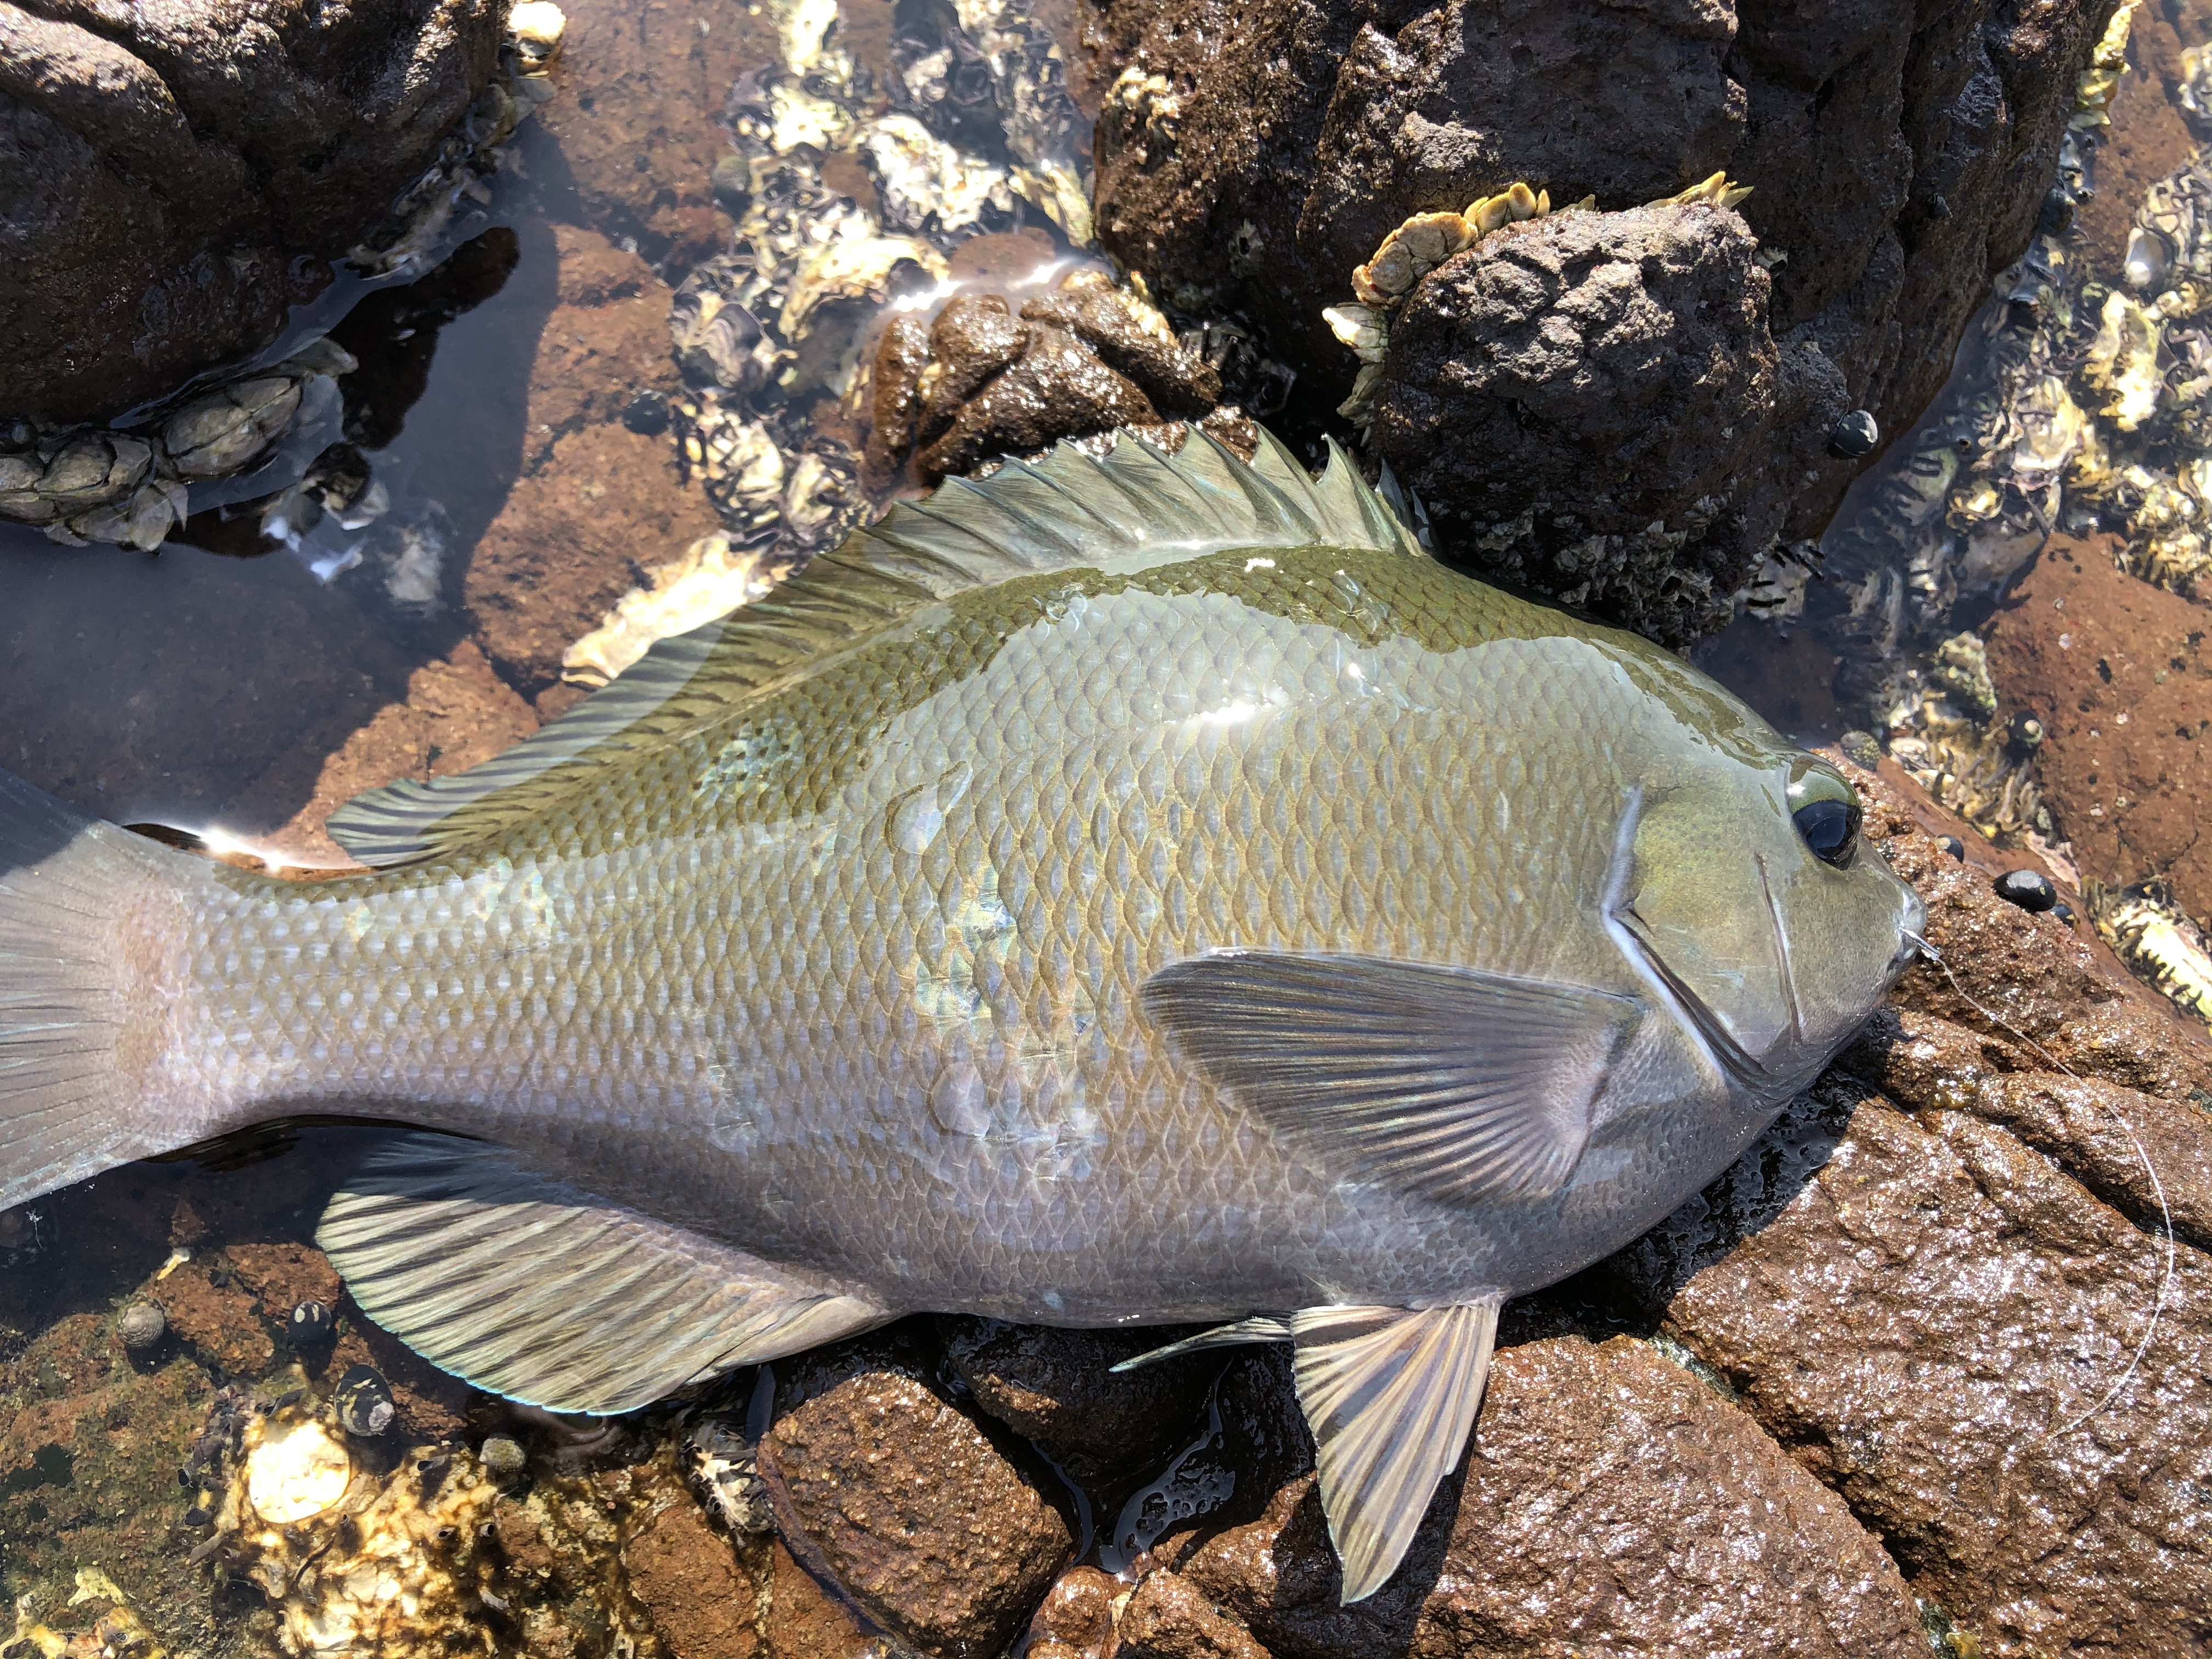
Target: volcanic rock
<point>1575,398</point>
<point>172,178</point>
<point>1252,155</point>
<point>1057,1388</point>
<point>907,1505</point>
<point>2118,672</point>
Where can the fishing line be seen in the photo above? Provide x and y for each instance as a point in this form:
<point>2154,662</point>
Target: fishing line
<point>2142,1156</point>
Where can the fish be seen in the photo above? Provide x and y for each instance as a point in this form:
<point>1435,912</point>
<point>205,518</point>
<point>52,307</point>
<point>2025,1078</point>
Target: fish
<point>1126,891</point>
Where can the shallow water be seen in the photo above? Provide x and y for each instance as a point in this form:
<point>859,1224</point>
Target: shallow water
<point>229,687</point>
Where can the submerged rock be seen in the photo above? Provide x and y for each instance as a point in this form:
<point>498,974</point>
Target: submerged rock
<point>2117,671</point>
<point>175,178</point>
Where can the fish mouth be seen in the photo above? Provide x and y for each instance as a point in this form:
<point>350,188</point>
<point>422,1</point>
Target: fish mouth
<point>1911,944</point>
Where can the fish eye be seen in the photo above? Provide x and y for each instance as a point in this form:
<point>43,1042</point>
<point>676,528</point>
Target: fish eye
<point>1825,810</point>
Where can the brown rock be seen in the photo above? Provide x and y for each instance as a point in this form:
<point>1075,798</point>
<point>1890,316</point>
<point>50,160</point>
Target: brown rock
<point>2048,981</point>
<point>1100,314</point>
<point>1690,1531</point>
<point>1076,1619</point>
<point>895,396</point>
<point>1616,368</point>
<point>1058,389</point>
<point>973,339</point>
<point>2101,1133</point>
<point>912,1509</point>
<point>284,1274</point>
<point>804,1621</point>
<point>639,88</point>
<point>688,1577</point>
<point>2147,140</point>
<point>605,341</point>
<point>2120,674</point>
<point>1058,1388</point>
<point>222,1323</point>
<point>566,546</point>
<point>1168,1618</point>
<point>1931,1316</point>
<point>456,714</point>
<point>162,167</point>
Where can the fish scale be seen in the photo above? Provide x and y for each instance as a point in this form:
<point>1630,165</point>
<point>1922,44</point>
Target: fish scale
<point>1129,890</point>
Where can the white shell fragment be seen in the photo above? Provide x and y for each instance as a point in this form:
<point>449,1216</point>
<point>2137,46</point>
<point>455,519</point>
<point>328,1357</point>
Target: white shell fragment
<point>710,579</point>
<point>297,1470</point>
<point>536,27</point>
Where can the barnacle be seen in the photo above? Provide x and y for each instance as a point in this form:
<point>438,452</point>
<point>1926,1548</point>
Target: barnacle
<point>2123,361</point>
<point>1942,728</point>
<point>2093,91</point>
<point>1715,190</point>
<point>2155,937</point>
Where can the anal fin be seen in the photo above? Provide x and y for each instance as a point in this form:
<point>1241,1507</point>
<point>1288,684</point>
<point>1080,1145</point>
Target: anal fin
<point>528,1287</point>
<point>1390,1396</point>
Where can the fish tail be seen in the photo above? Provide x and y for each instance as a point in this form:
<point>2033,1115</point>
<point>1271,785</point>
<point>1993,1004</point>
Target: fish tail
<point>91,932</point>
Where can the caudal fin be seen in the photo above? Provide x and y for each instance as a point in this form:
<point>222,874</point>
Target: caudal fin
<point>89,916</point>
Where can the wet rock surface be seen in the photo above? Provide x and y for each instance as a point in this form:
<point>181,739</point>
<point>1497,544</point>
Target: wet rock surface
<point>913,1511</point>
<point>1574,398</point>
<point>173,178</point>
<point>982,381</point>
<point>2118,670</point>
<point>1897,162</point>
<point>1058,1389</point>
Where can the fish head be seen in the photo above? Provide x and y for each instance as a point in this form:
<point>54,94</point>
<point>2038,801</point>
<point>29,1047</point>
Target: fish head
<point>1745,896</point>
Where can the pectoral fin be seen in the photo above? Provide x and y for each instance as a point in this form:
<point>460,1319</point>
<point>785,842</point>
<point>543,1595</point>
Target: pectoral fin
<point>1455,1084</point>
<point>535,1290</point>
<point>1390,1396</point>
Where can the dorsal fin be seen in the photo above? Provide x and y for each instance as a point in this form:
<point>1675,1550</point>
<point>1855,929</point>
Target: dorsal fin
<point>1070,510</point>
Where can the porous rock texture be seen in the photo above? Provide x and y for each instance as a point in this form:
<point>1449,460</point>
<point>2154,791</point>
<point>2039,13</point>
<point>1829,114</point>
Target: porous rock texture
<point>175,173</point>
<point>1596,396</point>
<point>1251,155</point>
<point>2117,672</point>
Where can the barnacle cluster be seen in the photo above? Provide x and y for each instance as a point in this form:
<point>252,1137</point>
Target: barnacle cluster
<point>131,487</point>
<point>973,133</point>
<point>2155,937</point>
<point>1943,728</point>
<point>262,428</point>
<point>1423,242</point>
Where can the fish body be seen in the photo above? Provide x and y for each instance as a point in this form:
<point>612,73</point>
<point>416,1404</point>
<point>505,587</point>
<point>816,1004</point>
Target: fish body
<point>1234,915</point>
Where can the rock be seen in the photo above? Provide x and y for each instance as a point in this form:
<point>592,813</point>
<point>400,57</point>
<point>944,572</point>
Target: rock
<point>1929,1314</point>
<point>2055,984</point>
<point>1084,359</point>
<point>690,1581</point>
<point>2118,670</point>
<point>2091,1127</point>
<point>1057,1388</point>
<point>563,548</point>
<point>640,86</point>
<point>1076,1619</point>
<point>1167,1617</point>
<point>455,713</point>
<point>805,1621</point>
<point>1567,384</point>
<point>1253,156</point>
<point>175,178</point>
<point>604,344</point>
<point>911,1510</point>
<point>208,1308</point>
